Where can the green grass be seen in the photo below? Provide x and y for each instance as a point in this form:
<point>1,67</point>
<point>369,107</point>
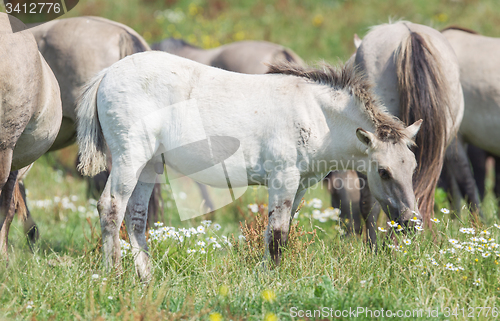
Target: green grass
<point>56,280</point>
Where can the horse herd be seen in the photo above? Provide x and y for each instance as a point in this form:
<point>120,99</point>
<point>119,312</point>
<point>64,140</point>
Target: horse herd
<point>395,114</point>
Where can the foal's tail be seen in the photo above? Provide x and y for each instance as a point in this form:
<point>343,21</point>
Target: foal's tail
<point>423,94</point>
<point>89,133</point>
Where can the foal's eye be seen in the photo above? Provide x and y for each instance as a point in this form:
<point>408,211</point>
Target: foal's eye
<point>384,173</point>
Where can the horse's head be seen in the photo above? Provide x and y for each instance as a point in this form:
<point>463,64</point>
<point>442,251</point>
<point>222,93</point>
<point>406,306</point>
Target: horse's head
<point>390,172</point>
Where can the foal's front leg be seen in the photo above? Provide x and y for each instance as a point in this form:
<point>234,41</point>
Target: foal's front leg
<point>282,188</point>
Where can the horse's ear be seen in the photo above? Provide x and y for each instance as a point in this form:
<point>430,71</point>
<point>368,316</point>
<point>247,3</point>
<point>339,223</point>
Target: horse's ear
<point>412,130</point>
<point>365,137</point>
<point>357,41</point>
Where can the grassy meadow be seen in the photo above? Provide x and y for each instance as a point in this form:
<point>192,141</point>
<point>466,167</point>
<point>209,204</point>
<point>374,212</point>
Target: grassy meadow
<point>445,273</point>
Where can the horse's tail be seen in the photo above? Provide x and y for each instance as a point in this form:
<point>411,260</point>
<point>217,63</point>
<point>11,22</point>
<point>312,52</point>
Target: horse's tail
<point>89,133</point>
<point>130,43</point>
<point>423,95</point>
<point>288,55</point>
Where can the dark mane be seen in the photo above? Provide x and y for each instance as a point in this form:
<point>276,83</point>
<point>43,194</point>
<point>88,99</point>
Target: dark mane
<point>461,29</point>
<point>387,127</point>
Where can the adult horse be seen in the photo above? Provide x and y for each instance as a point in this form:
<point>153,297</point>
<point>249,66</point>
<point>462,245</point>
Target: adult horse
<point>293,127</point>
<point>30,112</point>
<point>478,74</point>
<point>416,74</point>
<point>248,57</point>
<point>76,49</point>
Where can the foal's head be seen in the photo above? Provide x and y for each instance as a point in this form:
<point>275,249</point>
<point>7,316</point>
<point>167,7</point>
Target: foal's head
<point>390,172</point>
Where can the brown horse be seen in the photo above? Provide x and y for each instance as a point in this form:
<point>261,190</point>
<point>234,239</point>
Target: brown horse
<point>30,112</point>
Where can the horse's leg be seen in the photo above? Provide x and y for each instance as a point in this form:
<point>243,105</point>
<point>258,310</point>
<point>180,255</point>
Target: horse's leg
<point>283,193</point>
<point>154,205</point>
<point>136,218</point>
<point>30,228</point>
<point>496,188</point>
<point>457,163</point>
<point>370,211</point>
<point>7,211</point>
<point>112,206</point>
<point>477,158</point>
<point>341,199</point>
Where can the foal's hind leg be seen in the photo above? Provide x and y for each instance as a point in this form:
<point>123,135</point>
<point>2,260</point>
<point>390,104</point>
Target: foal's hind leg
<point>136,218</point>
<point>111,207</point>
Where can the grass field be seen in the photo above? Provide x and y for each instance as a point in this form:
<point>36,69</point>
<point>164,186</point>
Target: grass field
<point>441,274</point>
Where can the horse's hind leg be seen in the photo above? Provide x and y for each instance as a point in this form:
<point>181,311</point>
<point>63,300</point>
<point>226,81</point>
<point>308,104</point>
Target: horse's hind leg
<point>111,207</point>
<point>7,212</point>
<point>30,228</point>
<point>136,218</point>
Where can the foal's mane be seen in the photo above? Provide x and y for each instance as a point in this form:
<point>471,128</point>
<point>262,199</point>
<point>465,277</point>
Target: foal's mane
<point>347,77</point>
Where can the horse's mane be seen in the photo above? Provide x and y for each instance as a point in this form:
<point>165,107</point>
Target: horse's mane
<point>460,29</point>
<point>387,126</point>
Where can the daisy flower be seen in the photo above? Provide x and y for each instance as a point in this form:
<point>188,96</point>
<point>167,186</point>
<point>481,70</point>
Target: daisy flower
<point>449,266</point>
<point>414,219</point>
<point>435,220</point>
<point>407,241</point>
<point>253,207</point>
<point>445,210</point>
<point>200,243</point>
<point>206,223</point>
<point>191,251</point>
<point>453,241</point>
<point>200,229</point>
<point>202,251</point>
<point>467,230</point>
<point>216,226</point>
<point>400,228</point>
<point>477,282</point>
<point>485,232</point>
<point>486,254</point>
<point>381,229</point>
<point>392,224</point>
<point>315,203</point>
<point>497,226</point>
<point>419,228</point>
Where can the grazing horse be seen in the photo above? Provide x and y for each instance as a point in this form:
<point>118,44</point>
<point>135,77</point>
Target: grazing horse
<point>293,126</point>
<point>76,49</point>
<point>479,67</point>
<point>416,74</point>
<point>30,112</point>
<point>248,57</point>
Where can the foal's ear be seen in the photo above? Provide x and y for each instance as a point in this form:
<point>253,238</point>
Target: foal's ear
<point>412,130</point>
<point>365,137</point>
<point>357,41</point>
